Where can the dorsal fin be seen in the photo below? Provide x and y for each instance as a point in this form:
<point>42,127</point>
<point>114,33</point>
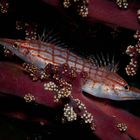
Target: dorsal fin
<point>51,36</point>
<point>104,62</point>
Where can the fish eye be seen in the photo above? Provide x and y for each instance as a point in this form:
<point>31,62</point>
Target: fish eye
<point>16,45</point>
<point>126,87</point>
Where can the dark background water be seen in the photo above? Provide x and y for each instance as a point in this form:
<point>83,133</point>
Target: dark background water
<point>81,37</point>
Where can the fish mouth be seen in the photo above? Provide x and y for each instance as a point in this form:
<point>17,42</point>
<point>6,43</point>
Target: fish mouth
<point>11,42</point>
<point>128,98</point>
<point>132,94</point>
<point>5,41</point>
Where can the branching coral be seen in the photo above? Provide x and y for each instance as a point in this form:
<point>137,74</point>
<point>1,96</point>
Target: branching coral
<point>29,28</point>
<point>4,6</point>
<point>106,12</point>
<point>134,53</point>
<point>81,6</point>
<point>103,117</point>
<point>122,3</point>
<point>60,87</point>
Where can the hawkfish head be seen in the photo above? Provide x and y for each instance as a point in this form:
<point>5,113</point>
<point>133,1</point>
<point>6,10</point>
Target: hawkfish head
<point>26,50</point>
<point>112,87</point>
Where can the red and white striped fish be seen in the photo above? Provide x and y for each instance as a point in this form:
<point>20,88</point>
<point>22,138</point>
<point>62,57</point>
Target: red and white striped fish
<point>102,82</point>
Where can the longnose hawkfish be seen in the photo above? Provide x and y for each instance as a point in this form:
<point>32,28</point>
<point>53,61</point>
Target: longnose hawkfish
<point>103,83</point>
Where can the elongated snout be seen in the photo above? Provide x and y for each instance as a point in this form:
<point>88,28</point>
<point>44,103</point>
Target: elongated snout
<point>131,94</point>
<point>7,42</point>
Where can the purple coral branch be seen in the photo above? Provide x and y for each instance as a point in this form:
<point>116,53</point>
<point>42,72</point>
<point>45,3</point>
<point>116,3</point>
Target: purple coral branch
<point>134,53</point>
<point>19,84</point>
<point>107,12</point>
<point>15,82</point>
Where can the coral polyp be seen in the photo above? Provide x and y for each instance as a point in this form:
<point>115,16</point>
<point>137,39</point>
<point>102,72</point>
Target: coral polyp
<point>134,53</point>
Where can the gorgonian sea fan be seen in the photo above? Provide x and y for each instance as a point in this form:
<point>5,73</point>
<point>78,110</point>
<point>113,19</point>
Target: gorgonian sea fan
<point>108,119</point>
<point>107,12</point>
<point>105,120</point>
